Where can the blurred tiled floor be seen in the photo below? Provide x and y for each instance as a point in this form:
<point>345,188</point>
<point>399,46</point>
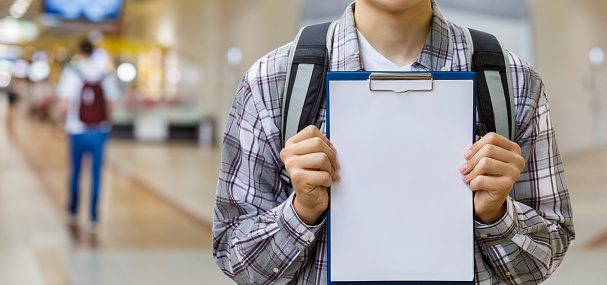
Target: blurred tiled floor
<point>146,235</point>
<point>157,213</point>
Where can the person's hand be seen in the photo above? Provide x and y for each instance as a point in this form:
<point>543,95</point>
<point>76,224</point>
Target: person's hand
<point>494,164</point>
<point>310,160</point>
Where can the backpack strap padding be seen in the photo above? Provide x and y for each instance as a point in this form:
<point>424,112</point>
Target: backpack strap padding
<point>309,59</point>
<point>469,44</point>
<point>299,88</point>
<point>305,85</point>
<point>498,102</point>
<point>511,89</point>
<point>330,33</point>
<point>494,88</point>
<point>285,103</point>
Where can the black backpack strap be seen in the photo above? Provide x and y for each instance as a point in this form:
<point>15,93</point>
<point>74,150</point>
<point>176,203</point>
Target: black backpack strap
<point>309,61</point>
<point>495,96</point>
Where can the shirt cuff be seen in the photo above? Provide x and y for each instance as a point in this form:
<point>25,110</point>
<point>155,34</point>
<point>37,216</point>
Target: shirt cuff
<point>499,232</point>
<point>302,235</point>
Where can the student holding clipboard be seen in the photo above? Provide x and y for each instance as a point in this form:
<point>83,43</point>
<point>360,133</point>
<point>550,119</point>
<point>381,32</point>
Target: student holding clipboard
<point>263,234</point>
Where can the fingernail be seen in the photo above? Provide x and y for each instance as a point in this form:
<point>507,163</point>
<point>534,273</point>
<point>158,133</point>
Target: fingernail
<point>337,176</point>
<point>466,177</point>
<point>468,154</point>
<point>337,166</point>
<point>463,167</point>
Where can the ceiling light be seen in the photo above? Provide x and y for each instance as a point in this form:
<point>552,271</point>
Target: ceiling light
<point>39,70</point>
<point>597,56</point>
<point>126,72</point>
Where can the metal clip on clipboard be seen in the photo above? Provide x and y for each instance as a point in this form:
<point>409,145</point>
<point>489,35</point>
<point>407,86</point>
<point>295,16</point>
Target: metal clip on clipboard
<point>400,76</point>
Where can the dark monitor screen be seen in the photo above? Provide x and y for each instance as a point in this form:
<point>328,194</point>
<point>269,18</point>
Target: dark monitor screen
<point>90,10</point>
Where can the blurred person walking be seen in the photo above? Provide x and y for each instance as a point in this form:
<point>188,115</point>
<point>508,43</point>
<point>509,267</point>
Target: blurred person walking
<point>86,94</point>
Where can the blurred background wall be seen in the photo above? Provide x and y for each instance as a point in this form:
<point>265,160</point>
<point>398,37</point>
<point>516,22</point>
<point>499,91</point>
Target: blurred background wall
<point>564,33</point>
<point>199,33</point>
<point>204,47</point>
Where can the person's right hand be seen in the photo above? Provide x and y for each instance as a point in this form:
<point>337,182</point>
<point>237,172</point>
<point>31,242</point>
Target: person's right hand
<point>310,160</point>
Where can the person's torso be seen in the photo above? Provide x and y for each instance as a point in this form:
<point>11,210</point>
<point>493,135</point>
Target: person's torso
<point>84,72</point>
<point>445,50</point>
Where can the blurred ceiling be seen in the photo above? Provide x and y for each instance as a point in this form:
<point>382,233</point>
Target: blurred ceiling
<point>66,31</point>
<point>4,5</point>
<point>31,13</point>
<point>311,13</point>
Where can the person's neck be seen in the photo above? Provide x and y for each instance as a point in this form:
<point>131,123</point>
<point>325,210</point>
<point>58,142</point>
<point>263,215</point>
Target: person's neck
<point>399,36</point>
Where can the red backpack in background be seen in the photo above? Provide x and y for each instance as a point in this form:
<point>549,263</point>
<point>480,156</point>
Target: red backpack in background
<point>93,109</point>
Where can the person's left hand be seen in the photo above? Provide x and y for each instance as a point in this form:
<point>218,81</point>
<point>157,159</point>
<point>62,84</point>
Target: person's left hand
<point>494,164</point>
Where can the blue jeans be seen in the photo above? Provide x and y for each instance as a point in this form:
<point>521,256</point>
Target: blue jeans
<point>91,142</point>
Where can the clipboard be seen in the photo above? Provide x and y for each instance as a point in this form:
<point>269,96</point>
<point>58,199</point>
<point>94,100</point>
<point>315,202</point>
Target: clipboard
<point>401,213</point>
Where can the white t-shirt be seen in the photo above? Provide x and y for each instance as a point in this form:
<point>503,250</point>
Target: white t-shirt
<point>373,60</point>
<point>70,88</point>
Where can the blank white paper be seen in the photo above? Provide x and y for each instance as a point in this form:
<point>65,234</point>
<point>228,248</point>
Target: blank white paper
<point>401,211</point>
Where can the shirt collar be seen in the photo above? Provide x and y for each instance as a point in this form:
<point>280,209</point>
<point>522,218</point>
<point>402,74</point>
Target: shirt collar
<point>437,52</point>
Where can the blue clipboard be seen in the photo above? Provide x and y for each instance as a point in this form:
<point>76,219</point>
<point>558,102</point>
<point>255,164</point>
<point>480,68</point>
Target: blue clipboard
<point>368,77</point>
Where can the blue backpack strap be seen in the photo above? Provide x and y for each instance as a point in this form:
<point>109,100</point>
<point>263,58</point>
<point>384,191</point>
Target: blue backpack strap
<point>495,95</point>
<point>309,60</point>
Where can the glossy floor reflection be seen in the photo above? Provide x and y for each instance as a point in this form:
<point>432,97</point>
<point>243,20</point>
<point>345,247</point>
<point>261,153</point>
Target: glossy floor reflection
<point>147,235</point>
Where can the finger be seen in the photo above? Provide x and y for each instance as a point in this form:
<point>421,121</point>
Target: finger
<point>494,139</point>
<point>490,151</point>
<point>314,161</point>
<point>312,145</point>
<point>309,179</point>
<point>489,183</point>
<point>493,167</point>
<point>309,132</point>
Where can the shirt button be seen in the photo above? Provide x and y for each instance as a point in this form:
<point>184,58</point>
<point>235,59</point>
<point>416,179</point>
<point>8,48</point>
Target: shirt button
<point>305,238</point>
<point>276,270</point>
<point>483,235</point>
<point>443,69</point>
<point>508,273</point>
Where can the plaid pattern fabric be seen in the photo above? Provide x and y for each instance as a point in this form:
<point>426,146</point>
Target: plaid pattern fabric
<point>259,239</point>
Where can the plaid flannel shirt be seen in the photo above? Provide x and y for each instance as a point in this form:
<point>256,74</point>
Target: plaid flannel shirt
<point>259,239</point>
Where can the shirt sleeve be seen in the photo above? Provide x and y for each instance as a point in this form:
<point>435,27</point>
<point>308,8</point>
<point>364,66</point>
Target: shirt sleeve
<point>530,241</point>
<point>69,85</point>
<point>111,89</point>
<point>257,236</point>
